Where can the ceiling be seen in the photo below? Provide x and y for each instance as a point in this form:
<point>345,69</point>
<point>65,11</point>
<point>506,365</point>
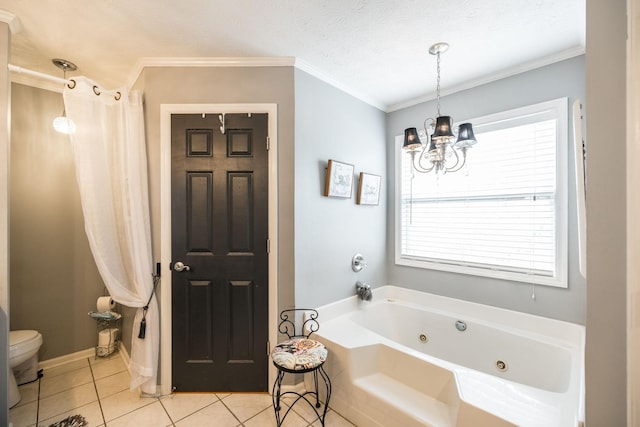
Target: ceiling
<point>376,50</point>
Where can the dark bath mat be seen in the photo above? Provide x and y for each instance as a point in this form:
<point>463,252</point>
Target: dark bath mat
<point>72,421</point>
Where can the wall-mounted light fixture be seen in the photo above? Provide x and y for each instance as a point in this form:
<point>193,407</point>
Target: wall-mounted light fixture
<point>62,123</point>
<point>441,151</point>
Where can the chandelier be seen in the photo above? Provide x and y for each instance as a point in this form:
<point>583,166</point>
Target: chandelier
<point>443,151</point>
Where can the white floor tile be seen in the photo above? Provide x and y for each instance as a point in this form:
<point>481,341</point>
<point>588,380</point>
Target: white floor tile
<point>90,412</point>
<point>206,417</point>
<point>23,415</point>
<point>181,405</point>
<point>245,406</point>
<point>106,367</point>
<point>333,420</point>
<point>67,367</point>
<point>66,381</point>
<point>65,401</point>
<point>122,403</point>
<point>113,384</point>
<point>267,418</point>
<point>152,415</point>
<point>121,408</point>
<point>303,409</point>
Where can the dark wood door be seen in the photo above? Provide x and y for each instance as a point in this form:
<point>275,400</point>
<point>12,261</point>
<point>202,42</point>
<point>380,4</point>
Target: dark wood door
<point>219,231</point>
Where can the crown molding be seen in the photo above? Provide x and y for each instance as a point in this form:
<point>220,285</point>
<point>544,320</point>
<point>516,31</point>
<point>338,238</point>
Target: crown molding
<point>529,66</point>
<point>287,61</point>
<point>278,61</point>
<point>142,63</point>
<point>12,20</point>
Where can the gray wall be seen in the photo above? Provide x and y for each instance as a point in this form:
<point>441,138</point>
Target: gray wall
<point>563,79</point>
<point>329,124</point>
<point>606,374</point>
<point>54,280</point>
<point>226,86</point>
<point>5,110</point>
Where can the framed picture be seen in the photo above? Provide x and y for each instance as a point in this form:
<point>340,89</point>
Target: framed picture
<point>368,189</point>
<point>339,180</point>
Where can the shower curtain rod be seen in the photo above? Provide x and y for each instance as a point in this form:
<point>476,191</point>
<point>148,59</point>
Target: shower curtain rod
<point>21,70</point>
<point>69,82</point>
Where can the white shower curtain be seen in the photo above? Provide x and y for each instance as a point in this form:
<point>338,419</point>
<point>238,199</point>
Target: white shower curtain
<point>111,168</point>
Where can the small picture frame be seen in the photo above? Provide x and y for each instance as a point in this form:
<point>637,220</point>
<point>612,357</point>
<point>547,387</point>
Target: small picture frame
<point>368,189</point>
<point>339,180</point>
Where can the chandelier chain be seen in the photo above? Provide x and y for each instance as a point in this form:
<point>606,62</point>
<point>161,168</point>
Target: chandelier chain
<point>438,83</point>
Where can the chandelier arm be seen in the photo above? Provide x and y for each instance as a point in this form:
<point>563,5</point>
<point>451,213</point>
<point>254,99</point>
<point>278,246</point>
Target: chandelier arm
<point>454,153</point>
<point>417,164</point>
<point>422,168</point>
<point>459,164</point>
<point>424,125</point>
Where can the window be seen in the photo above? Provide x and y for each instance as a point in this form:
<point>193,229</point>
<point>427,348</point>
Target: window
<point>505,214</point>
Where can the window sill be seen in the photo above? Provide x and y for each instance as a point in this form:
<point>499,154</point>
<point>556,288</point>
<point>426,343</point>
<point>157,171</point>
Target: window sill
<point>558,282</point>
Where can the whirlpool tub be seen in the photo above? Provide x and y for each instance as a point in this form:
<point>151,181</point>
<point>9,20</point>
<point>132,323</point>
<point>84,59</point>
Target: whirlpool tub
<point>409,358</point>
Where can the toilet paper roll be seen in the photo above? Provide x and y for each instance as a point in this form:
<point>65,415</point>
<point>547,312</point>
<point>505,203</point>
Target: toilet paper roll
<point>105,304</point>
<point>107,337</point>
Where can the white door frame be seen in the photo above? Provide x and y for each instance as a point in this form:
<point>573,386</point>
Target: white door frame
<point>166,110</point>
<point>633,209</point>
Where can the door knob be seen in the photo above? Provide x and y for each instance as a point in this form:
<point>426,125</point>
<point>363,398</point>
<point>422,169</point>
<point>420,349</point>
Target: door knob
<point>179,266</point>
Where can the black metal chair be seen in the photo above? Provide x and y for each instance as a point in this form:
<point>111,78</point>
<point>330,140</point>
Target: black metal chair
<point>299,355</point>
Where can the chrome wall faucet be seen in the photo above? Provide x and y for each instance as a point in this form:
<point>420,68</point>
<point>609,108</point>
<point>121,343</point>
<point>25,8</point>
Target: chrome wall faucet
<point>364,291</point>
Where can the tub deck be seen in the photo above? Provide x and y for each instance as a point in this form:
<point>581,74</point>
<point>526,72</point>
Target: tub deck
<point>381,382</point>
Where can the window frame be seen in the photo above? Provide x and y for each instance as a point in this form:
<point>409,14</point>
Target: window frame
<point>560,278</point>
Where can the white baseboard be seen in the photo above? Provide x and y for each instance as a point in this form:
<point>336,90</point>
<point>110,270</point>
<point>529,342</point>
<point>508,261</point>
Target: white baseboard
<point>82,354</point>
<point>126,358</point>
<point>72,357</point>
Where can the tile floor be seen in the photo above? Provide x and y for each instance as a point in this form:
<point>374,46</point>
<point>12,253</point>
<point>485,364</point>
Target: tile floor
<point>99,391</point>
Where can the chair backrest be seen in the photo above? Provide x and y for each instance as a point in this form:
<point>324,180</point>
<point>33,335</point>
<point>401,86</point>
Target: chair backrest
<point>305,318</point>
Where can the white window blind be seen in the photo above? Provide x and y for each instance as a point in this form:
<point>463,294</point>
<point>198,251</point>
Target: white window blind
<point>505,215</point>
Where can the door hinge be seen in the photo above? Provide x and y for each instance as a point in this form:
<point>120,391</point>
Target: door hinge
<point>268,348</point>
<point>268,245</point>
<point>268,143</point>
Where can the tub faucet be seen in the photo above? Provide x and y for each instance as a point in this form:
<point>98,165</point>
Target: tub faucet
<point>364,291</point>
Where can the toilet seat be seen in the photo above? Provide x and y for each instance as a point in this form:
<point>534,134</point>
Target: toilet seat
<point>25,341</point>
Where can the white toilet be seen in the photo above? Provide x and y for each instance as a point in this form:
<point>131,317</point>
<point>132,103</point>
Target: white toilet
<point>23,348</point>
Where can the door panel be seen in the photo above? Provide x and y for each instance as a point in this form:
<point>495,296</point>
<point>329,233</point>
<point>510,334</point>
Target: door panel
<point>200,214</point>
<point>219,229</point>
<point>241,343</point>
<point>240,190</point>
<point>200,310</point>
